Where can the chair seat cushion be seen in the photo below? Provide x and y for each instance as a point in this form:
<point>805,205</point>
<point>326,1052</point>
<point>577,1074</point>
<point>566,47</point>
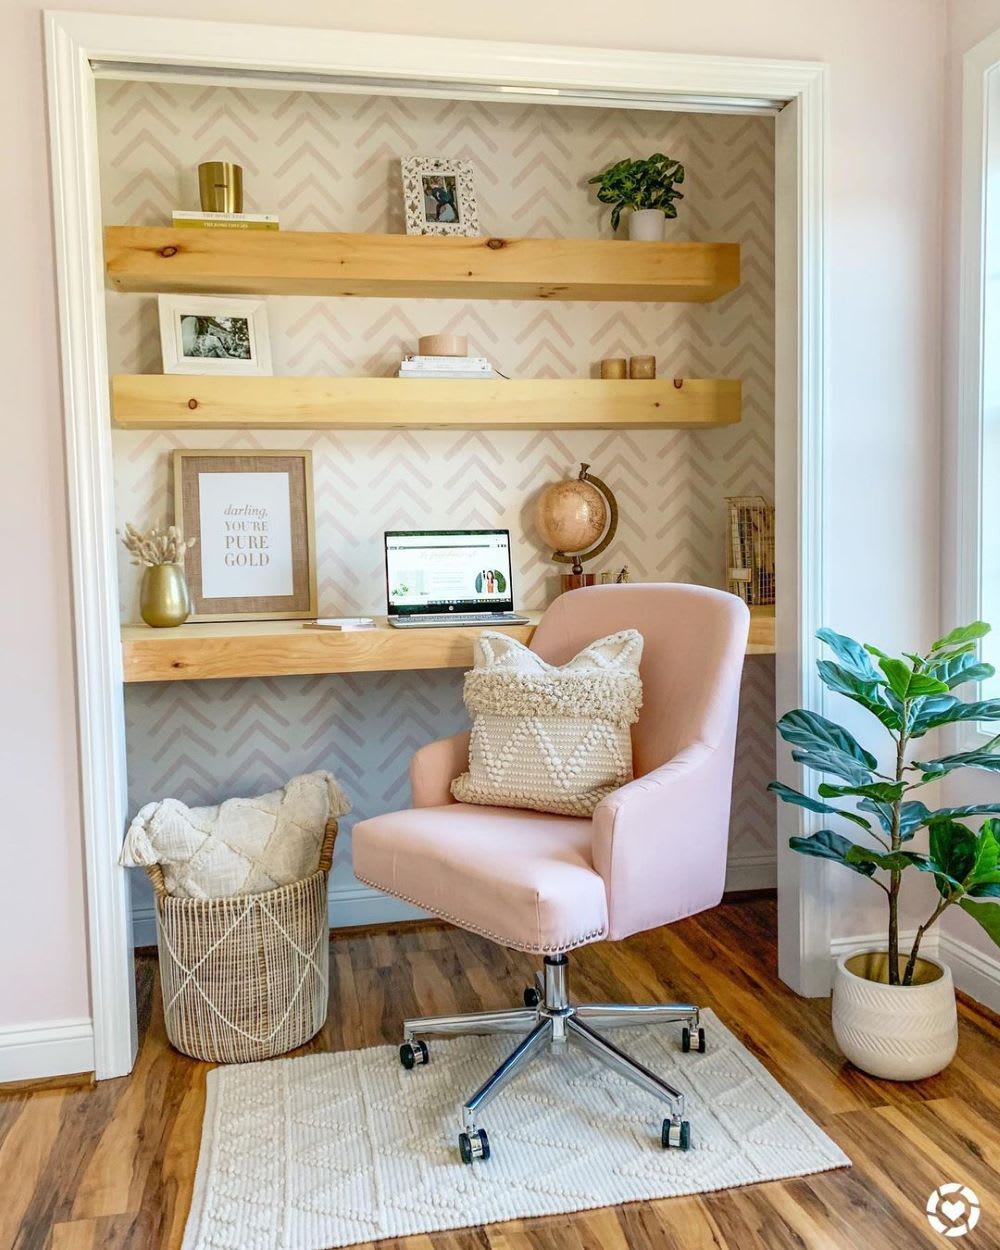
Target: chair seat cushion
<point>523,879</point>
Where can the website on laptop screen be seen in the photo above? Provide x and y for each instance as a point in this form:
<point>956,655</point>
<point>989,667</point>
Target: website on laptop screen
<point>438,571</point>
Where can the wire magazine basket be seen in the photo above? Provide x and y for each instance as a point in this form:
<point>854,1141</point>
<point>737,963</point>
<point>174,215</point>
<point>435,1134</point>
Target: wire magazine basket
<point>750,549</point>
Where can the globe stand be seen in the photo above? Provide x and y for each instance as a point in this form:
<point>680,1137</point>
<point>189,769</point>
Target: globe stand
<point>575,581</point>
<point>577,578</point>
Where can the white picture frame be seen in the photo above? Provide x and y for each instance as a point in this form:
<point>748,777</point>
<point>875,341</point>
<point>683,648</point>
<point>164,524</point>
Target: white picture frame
<point>435,186</point>
<point>214,334</point>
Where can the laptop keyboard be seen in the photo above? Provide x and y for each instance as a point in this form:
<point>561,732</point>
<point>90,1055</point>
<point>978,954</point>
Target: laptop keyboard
<point>432,619</point>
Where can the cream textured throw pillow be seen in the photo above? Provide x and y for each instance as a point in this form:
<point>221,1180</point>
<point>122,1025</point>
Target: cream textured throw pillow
<point>243,846</point>
<point>551,739</point>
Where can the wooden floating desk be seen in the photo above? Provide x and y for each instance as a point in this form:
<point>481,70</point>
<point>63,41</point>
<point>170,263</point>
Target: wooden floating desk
<point>284,648</point>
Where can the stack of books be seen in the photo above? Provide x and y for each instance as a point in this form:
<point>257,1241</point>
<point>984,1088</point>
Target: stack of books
<point>225,221</point>
<point>446,367</point>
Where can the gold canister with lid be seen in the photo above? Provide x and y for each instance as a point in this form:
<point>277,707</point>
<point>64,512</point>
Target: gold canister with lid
<point>220,185</point>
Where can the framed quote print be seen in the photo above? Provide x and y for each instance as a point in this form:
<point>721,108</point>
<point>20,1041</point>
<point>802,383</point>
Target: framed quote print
<point>252,514</point>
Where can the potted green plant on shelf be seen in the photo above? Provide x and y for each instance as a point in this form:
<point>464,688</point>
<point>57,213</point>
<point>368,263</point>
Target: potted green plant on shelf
<point>894,1010</point>
<point>647,187</point>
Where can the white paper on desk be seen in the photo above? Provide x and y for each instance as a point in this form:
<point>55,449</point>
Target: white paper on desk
<point>246,535</point>
<point>341,622</point>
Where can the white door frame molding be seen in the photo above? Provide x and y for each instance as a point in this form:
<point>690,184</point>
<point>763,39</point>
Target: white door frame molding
<point>82,46</point>
<point>977,376</point>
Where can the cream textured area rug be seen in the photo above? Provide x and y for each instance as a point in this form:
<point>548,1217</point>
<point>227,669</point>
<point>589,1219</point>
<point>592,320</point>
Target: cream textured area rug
<point>328,1150</point>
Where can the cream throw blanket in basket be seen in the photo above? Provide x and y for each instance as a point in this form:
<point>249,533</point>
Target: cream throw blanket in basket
<point>242,846</point>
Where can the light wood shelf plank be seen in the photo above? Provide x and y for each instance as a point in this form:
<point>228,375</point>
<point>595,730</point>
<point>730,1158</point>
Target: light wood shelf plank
<point>182,401</point>
<point>284,648</point>
<point>286,262</point>
<point>761,639</point>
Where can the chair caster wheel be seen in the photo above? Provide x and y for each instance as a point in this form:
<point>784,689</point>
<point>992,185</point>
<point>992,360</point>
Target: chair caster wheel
<point>413,1053</point>
<point>472,1146</point>
<point>699,1046</point>
<point>531,997</point>
<point>675,1136</point>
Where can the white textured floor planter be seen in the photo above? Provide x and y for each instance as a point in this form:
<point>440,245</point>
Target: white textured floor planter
<point>897,1032</point>
<point>646,225</point>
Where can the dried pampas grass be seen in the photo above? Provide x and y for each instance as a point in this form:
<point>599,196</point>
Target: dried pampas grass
<point>157,546</point>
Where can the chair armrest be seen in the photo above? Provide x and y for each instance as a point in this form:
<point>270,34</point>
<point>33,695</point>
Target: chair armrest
<point>660,841</point>
<point>434,767</point>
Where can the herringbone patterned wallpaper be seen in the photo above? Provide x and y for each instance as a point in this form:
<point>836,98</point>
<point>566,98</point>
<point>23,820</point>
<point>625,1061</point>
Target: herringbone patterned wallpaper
<point>330,162</point>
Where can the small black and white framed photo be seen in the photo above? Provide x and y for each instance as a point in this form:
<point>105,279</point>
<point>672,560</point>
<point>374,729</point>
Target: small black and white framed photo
<point>214,334</point>
<point>439,196</point>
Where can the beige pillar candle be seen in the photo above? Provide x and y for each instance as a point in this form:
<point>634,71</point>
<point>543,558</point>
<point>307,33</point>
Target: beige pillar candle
<point>614,367</point>
<point>443,345</point>
<point>642,367</point>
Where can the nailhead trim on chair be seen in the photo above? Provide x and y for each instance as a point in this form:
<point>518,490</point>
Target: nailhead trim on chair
<point>495,937</point>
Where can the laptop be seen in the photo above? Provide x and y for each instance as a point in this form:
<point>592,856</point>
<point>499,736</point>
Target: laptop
<point>449,577</point>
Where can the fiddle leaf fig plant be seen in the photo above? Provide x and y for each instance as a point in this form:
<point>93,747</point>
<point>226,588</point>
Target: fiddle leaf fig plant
<point>909,695</point>
<point>640,184</point>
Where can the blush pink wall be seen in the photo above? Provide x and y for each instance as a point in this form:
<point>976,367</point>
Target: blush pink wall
<point>884,275</point>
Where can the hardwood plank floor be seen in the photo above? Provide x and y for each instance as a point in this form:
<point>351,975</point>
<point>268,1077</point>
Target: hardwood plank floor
<point>110,1167</point>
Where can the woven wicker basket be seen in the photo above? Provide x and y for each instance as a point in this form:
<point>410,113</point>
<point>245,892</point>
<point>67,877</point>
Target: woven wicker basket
<point>245,978</point>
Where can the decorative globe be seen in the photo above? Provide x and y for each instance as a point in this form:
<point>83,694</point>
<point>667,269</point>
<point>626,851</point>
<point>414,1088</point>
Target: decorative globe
<point>571,516</point>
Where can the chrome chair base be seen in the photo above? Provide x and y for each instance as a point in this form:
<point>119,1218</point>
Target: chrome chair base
<point>549,1019</point>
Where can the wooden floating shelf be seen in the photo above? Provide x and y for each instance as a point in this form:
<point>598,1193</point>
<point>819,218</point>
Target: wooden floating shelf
<point>277,262</point>
<point>173,401</point>
<point>283,648</point>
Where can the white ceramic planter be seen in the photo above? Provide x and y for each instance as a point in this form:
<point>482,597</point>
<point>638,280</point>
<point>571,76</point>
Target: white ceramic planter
<point>645,225</point>
<point>899,1033</point>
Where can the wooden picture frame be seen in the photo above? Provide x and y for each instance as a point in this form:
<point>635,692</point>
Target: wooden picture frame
<point>433,186</point>
<point>255,558</point>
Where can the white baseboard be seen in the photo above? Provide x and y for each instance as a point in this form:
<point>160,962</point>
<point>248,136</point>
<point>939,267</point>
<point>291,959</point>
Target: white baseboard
<point>143,925</point>
<point>975,973</point>
<point>867,941</point>
<point>350,905</point>
<point>752,872</point>
<point>34,1051</point>
<point>360,904</point>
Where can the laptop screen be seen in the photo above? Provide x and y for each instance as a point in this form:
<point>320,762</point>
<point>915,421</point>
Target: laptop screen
<point>448,571</point>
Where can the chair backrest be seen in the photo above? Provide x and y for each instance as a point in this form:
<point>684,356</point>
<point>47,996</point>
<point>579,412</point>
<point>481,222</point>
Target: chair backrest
<point>694,646</point>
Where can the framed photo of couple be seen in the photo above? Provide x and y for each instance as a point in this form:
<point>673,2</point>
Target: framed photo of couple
<point>214,334</point>
<point>439,196</point>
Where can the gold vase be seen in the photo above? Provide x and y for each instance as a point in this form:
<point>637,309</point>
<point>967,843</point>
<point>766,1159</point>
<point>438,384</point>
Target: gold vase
<point>163,598</point>
<point>220,184</point>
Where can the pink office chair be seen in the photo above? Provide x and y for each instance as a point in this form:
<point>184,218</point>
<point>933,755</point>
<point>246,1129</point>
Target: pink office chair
<point>653,852</point>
